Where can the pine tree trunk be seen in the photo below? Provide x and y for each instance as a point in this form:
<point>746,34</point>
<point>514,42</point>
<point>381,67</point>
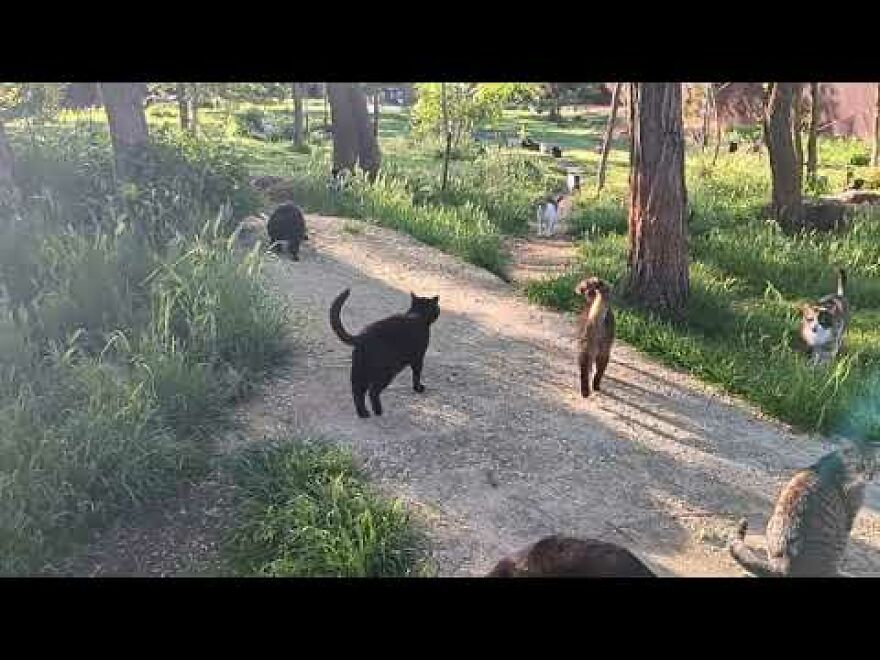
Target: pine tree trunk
<point>448,133</point>
<point>787,203</point>
<point>812,140</point>
<point>875,159</point>
<point>297,116</point>
<point>658,258</point>
<point>609,133</point>
<point>124,103</point>
<point>183,106</point>
<point>6,162</point>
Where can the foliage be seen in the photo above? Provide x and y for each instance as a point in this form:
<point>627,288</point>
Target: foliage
<point>306,511</point>
<point>468,104</point>
<point>119,352</point>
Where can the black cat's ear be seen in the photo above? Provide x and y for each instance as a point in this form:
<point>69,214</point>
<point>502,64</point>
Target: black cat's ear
<point>436,300</point>
<point>413,296</point>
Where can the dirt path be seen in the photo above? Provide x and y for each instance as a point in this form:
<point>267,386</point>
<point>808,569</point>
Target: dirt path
<point>501,449</point>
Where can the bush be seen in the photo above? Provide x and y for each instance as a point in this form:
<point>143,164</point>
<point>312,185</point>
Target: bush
<point>307,512</point>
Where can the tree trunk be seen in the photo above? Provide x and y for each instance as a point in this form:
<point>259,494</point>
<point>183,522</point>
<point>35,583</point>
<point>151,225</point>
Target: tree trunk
<point>812,139</point>
<point>183,106</point>
<point>609,132</point>
<point>376,109</point>
<point>353,139</point>
<point>297,116</point>
<point>658,258</point>
<point>193,109</point>
<point>786,176</point>
<point>5,158</point>
<point>448,135</point>
<point>875,159</point>
<point>124,104</point>
<point>717,114</point>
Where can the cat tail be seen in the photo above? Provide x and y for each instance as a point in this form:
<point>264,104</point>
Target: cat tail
<point>336,321</point>
<point>749,558</point>
<point>841,281</point>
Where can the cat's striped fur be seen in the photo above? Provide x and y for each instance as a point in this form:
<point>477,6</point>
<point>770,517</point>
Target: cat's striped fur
<point>809,529</point>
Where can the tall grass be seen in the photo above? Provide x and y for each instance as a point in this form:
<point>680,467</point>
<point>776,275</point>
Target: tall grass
<point>128,326</point>
<point>307,512</point>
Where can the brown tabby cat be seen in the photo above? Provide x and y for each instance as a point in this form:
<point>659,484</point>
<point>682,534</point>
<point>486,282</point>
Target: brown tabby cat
<point>810,526</point>
<point>561,556</point>
<point>595,327</point>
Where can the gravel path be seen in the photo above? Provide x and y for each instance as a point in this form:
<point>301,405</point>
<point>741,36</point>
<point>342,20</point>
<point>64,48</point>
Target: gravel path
<point>501,449</point>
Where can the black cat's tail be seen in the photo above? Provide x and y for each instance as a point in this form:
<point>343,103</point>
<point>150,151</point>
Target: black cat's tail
<point>336,320</point>
<point>749,558</point>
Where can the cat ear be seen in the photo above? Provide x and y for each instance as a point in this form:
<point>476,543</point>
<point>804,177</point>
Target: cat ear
<point>413,296</point>
<point>436,299</point>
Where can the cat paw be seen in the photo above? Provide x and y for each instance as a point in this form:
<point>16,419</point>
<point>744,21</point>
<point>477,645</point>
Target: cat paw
<point>363,414</point>
<point>419,388</point>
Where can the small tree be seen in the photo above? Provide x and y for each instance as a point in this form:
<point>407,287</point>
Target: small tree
<point>124,103</point>
<point>6,162</point>
<point>658,259</point>
<point>183,106</point>
<point>812,138</point>
<point>467,106</point>
<point>448,136</point>
<point>297,115</point>
<point>875,159</point>
<point>609,132</point>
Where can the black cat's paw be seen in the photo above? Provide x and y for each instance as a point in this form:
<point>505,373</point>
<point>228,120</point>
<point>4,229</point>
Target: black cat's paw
<point>419,388</point>
<point>363,414</point>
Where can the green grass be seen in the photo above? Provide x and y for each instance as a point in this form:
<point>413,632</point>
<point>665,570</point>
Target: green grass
<point>127,350</point>
<point>747,280</point>
<point>305,510</point>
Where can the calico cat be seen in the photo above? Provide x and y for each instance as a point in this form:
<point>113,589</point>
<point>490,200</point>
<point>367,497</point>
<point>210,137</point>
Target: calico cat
<point>810,526</point>
<point>824,323</point>
<point>560,556</point>
<point>384,348</point>
<point>595,328</point>
<point>287,226</point>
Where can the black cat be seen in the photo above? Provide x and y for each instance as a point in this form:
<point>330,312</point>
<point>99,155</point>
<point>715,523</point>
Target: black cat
<point>287,225</point>
<point>385,347</point>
